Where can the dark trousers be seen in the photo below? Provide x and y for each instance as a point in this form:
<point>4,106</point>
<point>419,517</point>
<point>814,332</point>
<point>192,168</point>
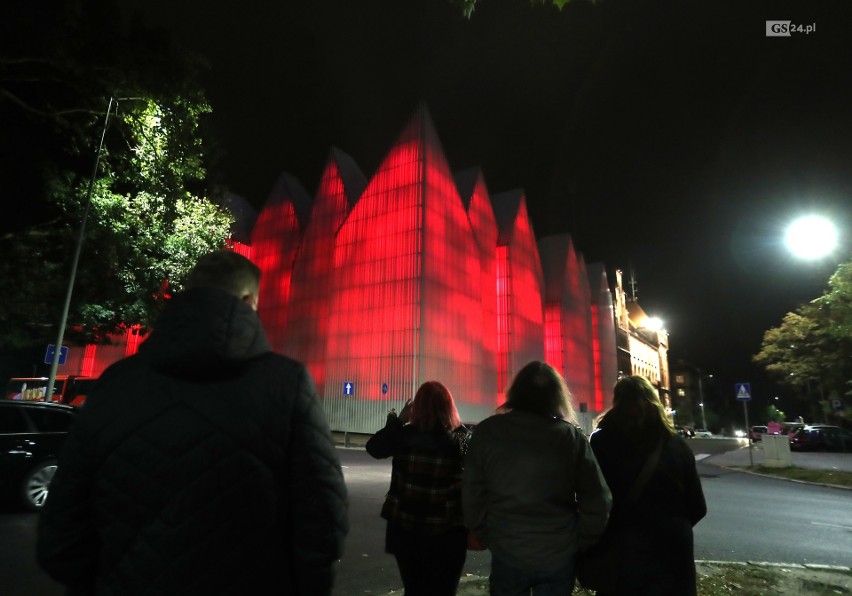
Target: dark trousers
<point>430,565</point>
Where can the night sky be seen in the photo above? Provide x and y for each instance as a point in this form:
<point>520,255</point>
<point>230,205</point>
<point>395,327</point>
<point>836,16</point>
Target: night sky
<point>672,139</point>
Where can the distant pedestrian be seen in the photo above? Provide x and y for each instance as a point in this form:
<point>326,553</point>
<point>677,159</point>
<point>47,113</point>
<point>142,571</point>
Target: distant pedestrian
<point>655,526</point>
<point>532,491</point>
<point>201,465</point>
<point>425,531</point>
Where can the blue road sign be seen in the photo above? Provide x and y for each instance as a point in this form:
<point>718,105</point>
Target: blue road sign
<point>51,352</point>
<point>348,388</point>
<point>384,388</point>
<point>743,391</point>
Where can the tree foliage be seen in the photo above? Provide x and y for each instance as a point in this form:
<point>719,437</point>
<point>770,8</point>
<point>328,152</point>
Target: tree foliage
<point>811,350</point>
<point>150,215</point>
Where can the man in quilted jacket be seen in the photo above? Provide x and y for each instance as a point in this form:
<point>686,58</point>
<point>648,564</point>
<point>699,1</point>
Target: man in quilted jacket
<point>201,465</point>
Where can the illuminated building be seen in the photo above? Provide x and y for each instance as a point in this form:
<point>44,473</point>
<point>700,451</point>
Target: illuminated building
<point>642,342</point>
<point>415,274</point>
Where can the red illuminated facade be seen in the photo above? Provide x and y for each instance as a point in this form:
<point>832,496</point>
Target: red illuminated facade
<point>415,274</point>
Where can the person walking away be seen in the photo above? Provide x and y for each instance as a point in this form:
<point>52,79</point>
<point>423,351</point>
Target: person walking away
<point>655,527</point>
<point>425,532</point>
<point>201,465</point>
<point>532,490</point>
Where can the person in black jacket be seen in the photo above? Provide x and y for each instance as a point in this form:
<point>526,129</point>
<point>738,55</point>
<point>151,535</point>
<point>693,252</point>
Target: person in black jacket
<point>425,532</point>
<point>201,465</point>
<point>655,527</point>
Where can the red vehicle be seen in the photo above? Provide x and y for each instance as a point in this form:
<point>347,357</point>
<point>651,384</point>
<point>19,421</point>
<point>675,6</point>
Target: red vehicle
<point>821,437</point>
<point>68,389</point>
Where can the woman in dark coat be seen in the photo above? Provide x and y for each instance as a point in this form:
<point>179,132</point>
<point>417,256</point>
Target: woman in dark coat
<point>425,532</point>
<point>656,526</point>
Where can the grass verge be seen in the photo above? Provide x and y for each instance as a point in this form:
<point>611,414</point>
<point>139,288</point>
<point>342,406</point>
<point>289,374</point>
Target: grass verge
<point>836,477</point>
<point>721,579</point>
<point>743,579</point>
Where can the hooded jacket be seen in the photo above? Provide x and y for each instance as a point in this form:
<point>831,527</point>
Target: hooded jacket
<point>201,465</point>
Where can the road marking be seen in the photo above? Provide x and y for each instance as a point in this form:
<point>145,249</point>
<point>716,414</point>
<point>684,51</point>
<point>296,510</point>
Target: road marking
<point>832,525</point>
<point>700,456</point>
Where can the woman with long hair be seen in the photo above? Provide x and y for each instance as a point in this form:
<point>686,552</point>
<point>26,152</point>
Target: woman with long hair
<point>532,491</point>
<point>425,531</point>
<point>653,526</point>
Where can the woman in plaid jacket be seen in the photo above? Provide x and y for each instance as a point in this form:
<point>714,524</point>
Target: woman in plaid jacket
<point>425,532</point>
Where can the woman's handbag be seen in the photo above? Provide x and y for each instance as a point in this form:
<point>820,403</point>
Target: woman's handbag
<point>597,566</point>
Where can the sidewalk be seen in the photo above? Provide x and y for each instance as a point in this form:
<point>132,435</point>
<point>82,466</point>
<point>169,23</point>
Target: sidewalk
<point>354,440</point>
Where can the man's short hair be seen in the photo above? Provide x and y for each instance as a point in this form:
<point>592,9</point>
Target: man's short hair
<point>225,270</point>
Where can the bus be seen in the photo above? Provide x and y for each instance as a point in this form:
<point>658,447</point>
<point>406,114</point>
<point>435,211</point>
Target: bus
<point>68,389</point>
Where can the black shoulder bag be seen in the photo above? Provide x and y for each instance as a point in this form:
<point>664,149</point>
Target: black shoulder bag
<point>597,567</point>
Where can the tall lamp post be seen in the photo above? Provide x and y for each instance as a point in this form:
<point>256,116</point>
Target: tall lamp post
<point>701,397</point>
<point>54,365</point>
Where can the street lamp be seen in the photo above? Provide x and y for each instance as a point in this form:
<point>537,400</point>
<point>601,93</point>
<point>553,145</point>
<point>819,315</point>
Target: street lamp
<point>701,397</point>
<point>811,237</point>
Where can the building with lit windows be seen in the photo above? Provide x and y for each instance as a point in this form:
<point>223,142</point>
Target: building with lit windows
<point>642,343</point>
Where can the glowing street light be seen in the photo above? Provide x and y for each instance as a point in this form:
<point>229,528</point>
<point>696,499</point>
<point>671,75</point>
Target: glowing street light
<point>653,324</point>
<point>811,237</point>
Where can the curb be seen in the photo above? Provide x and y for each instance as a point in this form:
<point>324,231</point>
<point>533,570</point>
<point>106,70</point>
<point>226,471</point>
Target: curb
<point>745,470</point>
<point>476,585</point>
<point>811,566</point>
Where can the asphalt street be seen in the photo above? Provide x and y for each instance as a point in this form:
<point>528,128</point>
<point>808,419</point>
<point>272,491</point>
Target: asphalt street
<point>750,518</point>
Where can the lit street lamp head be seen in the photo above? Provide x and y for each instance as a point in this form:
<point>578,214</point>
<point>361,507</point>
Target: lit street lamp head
<point>811,237</point>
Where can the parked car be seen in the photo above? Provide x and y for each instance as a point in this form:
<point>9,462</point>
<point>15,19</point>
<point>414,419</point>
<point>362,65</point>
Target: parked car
<point>703,432</point>
<point>821,437</point>
<point>685,431</point>
<point>757,432</point>
<point>31,435</point>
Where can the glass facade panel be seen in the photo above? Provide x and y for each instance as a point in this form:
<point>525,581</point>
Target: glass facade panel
<point>374,327</point>
<point>481,216</point>
<point>313,276</point>
<point>274,240</point>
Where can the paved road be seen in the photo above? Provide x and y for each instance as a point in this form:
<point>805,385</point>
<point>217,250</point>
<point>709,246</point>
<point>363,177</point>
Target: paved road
<point>755,518</point>
<point>750,518</point>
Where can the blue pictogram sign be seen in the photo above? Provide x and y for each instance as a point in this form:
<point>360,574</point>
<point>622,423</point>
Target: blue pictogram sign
<point>348,388</point>
<point>743,391</point>
<point>51,352</point>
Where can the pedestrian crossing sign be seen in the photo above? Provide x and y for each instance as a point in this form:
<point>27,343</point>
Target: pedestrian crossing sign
<point>743,391</point>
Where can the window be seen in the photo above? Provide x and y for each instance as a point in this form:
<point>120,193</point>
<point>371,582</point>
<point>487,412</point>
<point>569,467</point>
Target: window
<point>12,421</point>
<point>49,421</point>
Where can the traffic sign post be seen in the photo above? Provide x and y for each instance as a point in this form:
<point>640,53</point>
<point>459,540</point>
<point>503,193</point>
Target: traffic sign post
<point>743,394</point>
<point>50,353</point>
